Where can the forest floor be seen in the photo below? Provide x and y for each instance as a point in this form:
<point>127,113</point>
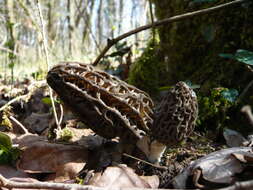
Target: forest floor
<point>35,155</point>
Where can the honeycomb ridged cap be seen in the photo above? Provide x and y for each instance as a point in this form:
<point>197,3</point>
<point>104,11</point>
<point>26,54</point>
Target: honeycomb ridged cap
<point>175,117</point>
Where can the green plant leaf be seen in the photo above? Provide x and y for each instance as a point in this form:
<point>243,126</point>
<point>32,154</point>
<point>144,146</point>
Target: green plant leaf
<point>5,141</point>
<point>244,56</point>
<point>241,55</point>
<point>46,100</point>
<point>230,94</point>
<point>191,85</point>
<point>227,55</point>
<point>5,157</point>
<point>164,88</point>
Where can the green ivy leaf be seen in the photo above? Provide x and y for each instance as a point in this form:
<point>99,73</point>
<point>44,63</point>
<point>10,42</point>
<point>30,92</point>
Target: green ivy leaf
<point>191,85</point>
<point>241,55</point>
<point>244,56</point>
<point>5,142</point>
<point>230,94</point>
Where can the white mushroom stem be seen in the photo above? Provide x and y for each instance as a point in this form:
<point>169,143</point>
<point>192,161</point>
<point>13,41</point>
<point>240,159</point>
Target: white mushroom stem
<point>153,150</point>
<point>247,110</point>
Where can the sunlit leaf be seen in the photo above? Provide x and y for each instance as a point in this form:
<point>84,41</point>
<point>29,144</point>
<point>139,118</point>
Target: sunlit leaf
<point>244,56</point>
<point>47,101</point>
<point>5,157</point>
<point>164,88</point>
<point>5,141</point>
<point>241,55</point>
<point>230,94</point>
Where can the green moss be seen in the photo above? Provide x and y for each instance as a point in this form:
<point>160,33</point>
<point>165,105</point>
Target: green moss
<point>145,72</point>
<point>213,109</point>
<point>192,46</point>
<point>65,135</point>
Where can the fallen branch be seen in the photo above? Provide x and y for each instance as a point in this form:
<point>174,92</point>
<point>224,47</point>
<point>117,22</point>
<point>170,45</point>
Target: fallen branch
<point>111,42</point>
<point>153,165</point>
<point>44,185</point>
<point>62,186</point>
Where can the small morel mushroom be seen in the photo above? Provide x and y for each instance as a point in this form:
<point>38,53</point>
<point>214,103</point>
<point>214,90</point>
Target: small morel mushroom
<point>174,121</point>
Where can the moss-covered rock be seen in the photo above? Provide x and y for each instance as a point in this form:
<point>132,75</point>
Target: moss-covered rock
<point>144,74</point>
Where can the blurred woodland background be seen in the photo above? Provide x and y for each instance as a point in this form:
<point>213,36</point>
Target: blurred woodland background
<point>77,30</point>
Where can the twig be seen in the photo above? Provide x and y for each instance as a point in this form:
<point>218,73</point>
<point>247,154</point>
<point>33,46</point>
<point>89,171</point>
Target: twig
<point>47,58</point>
<point>111,42</point>
<point>13,100</point>
<point>9,51</point>
<point>61,114</point>
<point>19,124</point>
<point>154,165</point>
<point>245,90</point>
<point>26,96</point>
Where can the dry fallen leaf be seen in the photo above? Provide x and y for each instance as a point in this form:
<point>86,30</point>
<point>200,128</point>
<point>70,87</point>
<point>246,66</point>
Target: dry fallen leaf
<point>65,161</point>
<point>37,122</point>
<point>10,172</point>
<point>122,176</point>
<point>218,168</point>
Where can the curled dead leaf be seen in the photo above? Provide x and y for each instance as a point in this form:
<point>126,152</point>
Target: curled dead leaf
<point>62,160</point>
<point>121,176</point>
<point>217,169</point>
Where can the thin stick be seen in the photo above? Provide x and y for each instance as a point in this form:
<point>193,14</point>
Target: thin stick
<point>12,101</point>
<point>61,114</point>
<point>19,124</point>
<point>111,42</point>
<point>47,58</point>
<point>26,96</point>
<point>154,165</point>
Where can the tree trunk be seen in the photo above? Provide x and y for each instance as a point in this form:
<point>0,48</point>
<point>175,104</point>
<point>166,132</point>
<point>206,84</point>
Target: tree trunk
<point>189,50</point>
<point>11,42</point>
